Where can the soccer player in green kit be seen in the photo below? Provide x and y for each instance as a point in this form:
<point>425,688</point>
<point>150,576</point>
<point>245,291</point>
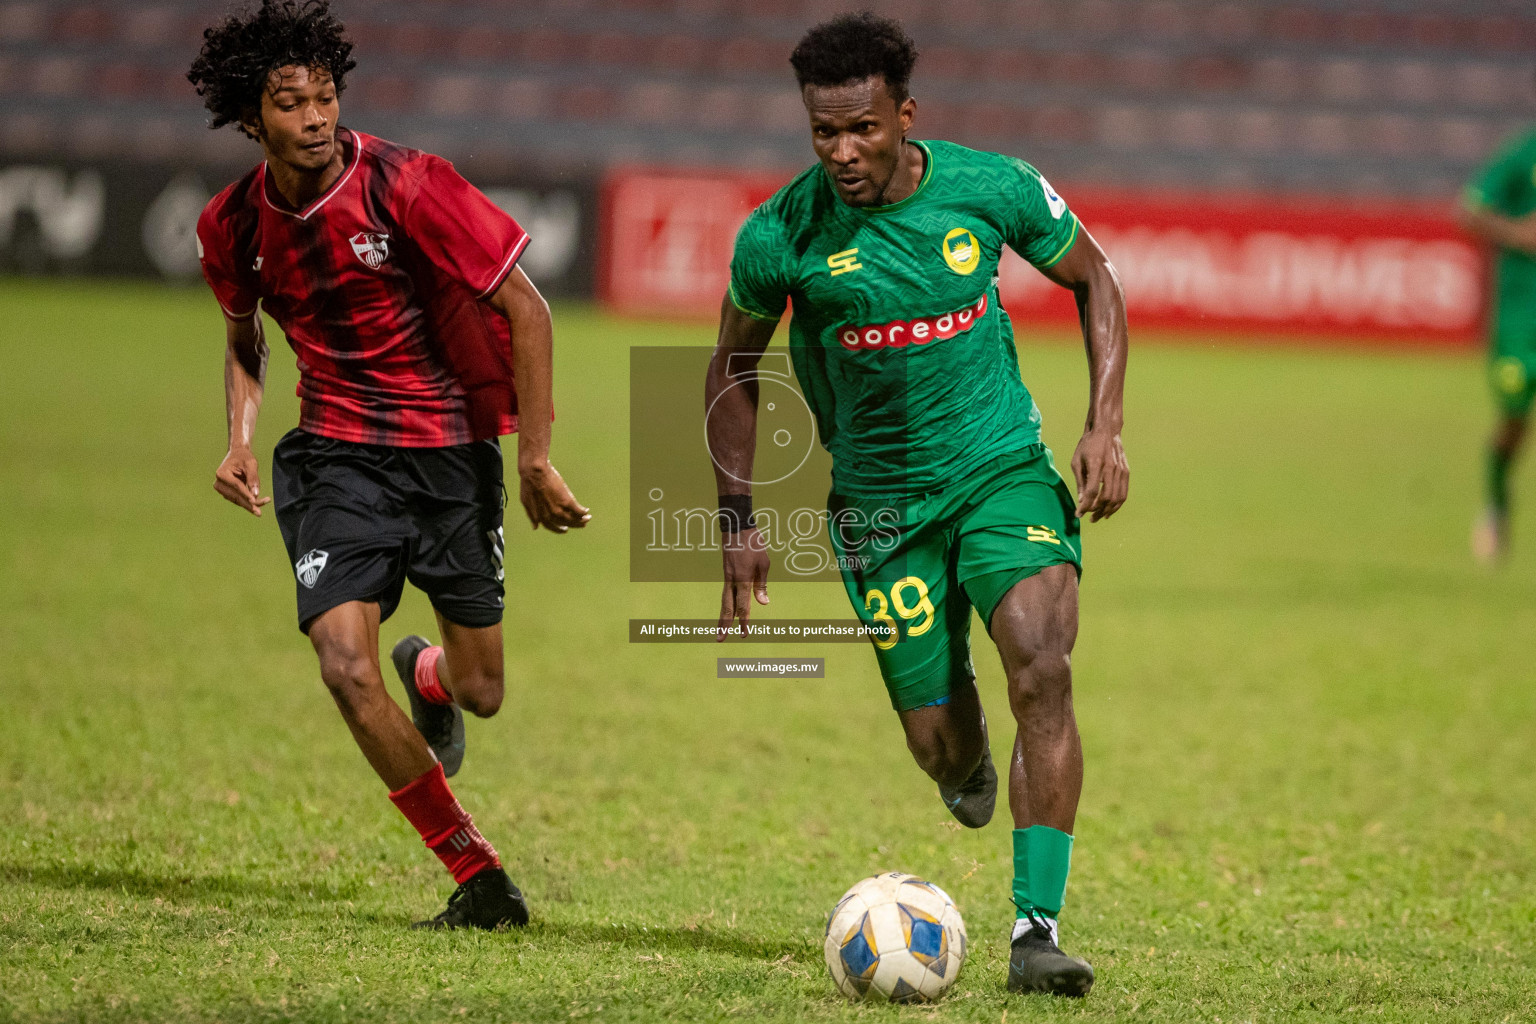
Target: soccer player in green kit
<point>1500,207</point>
<point>943,496</point>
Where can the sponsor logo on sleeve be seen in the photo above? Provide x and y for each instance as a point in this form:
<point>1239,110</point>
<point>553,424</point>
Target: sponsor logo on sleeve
<point>1057,204</point>
<point>371,248</point>
<point>901,333</point>
<point>961,251</point>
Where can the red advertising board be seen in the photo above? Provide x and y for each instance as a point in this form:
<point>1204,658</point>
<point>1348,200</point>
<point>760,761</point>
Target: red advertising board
<point>665,238</point>
<point>1370,271</point>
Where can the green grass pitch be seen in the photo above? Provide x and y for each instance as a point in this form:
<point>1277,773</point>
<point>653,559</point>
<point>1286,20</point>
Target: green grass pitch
<point>1308,719</point>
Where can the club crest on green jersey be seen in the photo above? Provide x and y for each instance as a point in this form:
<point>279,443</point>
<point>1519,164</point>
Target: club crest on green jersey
<point>961,251</point>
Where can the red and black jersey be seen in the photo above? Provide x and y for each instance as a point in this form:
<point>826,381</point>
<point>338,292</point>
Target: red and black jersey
<point>378,286</point>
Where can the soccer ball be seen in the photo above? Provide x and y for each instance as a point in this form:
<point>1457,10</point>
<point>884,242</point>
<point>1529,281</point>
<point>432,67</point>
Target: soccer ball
<point>895,937</point>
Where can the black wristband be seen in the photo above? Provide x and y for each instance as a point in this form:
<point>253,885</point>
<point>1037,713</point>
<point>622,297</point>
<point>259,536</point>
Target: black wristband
<point>735,513</point>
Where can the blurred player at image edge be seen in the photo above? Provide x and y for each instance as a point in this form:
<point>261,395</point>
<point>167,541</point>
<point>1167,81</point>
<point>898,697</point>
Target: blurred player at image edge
<point>1499,206</point>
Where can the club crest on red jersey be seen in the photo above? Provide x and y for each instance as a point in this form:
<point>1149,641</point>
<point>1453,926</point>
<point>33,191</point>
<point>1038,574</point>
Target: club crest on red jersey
<point>372,249</point>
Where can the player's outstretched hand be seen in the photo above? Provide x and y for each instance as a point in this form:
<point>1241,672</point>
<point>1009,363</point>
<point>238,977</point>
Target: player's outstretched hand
<point>238,479</point>
<point>547,500</point>
<point>745,555</point>
<point>1522,234</point>
<point>1103,475</point>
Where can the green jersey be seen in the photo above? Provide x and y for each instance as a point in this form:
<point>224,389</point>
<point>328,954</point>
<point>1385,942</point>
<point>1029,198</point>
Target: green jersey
<point>1507,185</point>
<point>902,349</point>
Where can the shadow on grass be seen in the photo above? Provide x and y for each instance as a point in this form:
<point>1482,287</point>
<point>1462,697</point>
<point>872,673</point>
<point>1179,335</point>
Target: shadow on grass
<point>179,888</point>
<point>291,899</point>
<point>648,938</point>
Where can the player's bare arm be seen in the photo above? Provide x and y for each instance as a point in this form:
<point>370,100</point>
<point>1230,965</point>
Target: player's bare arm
<point>1518,233</point>
<point>544,494</point>
<point>238,477</point>
<point>732,425</point>
<point>1099,464</point>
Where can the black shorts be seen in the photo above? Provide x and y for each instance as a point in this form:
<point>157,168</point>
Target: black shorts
<point>360,519</point>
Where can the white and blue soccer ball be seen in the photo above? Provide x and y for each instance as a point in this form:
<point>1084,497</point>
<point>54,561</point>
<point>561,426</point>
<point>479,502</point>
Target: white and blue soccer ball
<point>895,938</point>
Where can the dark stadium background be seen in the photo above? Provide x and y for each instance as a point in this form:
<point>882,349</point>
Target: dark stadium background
<point>104,157</point>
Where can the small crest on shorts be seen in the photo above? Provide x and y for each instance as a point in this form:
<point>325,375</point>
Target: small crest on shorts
<point>371,248</point>
<point>309,567</point>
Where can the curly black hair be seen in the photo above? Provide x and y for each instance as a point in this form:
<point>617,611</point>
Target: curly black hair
<point>851,47</point>
<point>240,53</point>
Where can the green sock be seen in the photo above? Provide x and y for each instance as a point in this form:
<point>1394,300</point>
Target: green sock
<point>1498,481</point>
<point>1042,856</point>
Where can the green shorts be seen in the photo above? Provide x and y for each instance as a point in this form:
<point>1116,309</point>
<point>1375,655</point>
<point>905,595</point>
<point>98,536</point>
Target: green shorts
<point>916,565</point>
<point>1512,362</point>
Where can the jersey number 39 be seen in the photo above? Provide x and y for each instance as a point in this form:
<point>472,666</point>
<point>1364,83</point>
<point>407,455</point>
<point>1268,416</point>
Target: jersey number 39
<point>879,607</point>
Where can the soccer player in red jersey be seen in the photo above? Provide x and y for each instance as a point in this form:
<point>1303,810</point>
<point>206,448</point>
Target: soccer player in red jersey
<point>396,284</point>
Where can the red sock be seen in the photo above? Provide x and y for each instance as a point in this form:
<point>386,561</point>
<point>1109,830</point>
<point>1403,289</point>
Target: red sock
<point>427,682</point>
<point>445,827</point>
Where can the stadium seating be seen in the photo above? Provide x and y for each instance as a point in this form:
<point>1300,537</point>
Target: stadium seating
<point>1401,97</point>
